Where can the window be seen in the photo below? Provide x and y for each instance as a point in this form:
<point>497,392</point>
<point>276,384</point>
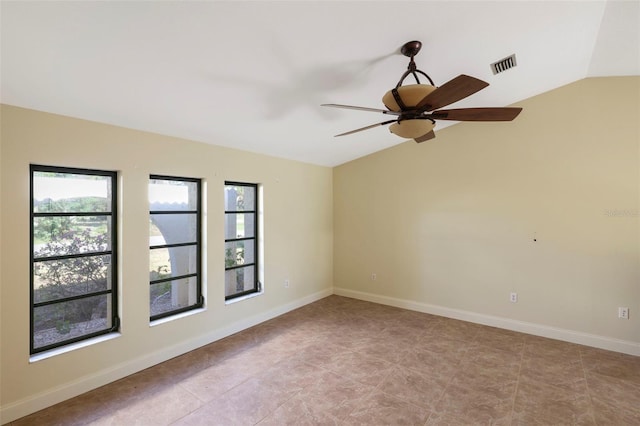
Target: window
<point>240,239</point>
<point>73,255</point>
<point>174,245</point>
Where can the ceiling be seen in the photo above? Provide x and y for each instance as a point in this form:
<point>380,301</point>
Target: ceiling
<point>252,75</point>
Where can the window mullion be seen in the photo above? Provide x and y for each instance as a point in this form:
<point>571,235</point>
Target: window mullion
<point>73,256</point>
<point>72,298</point>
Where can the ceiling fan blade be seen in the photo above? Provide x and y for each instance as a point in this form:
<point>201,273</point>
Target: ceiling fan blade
<point>425,137</point>
<point>366,128</point>
<point>452,91</point>
<point>477,114</point>
<point>359,108</point>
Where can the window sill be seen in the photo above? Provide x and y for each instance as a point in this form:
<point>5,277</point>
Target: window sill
<point>72,347</point>
<point>241,298</point>
<point>176,316</point>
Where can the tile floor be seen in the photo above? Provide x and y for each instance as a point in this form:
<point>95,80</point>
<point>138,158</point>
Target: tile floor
<point>349,362</point>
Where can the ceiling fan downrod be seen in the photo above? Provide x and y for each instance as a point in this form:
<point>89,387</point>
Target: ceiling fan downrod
<point>411,49</point>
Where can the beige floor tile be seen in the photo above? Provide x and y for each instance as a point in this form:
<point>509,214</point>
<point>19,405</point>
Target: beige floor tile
<point>333,394</point>
<point>391,350</point>
<point>77,411</point>
<point>550,348</point>
<point>379,408</point>
<point>245,404</point>
<point>610,364</point>
<point>360,367</point>
<point>413,386</point>
<point>341,361</point>
<point>454,329</point>
<point>214,381</point>
<point>606,414</point>
<point>564,373</point>
<point>435,364</point>
<point>479,404</point>
<point>321,353</point>
<point>537,401</point>
<point>296,412</point>
<point>505,340</point>
<point>479,354</point>
<point>292,375</point>
<point>615,392</point>
<point>475,375</point>
<point>161,408</point>
<point>327,402</point>
<point>443,345</point>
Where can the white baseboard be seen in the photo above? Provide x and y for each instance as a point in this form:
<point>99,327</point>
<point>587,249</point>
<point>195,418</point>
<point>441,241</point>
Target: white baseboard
<point>33,403</point>
<point>602,342</point>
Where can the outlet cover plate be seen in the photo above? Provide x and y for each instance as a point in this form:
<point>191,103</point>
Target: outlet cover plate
<point>623,313</point>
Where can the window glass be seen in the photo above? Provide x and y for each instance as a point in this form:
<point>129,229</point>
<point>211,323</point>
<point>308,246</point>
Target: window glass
<point>63,278</point>
<point>240,197</point>
<point>240,245</point>
<point>172,194</point>
<point>161,262</point>
<point>174,228</point>
<point>174,245</point>
<point>240,281</point>
<point>70,192</point>
<point>72,320</point>
<point>69,235</point>
<point>239,225</point>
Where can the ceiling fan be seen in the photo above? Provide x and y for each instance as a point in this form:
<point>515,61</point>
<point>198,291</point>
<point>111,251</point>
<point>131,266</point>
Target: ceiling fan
<point>416,107</point>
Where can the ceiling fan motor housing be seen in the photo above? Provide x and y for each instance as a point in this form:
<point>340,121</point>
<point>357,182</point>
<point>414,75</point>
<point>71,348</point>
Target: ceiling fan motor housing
<point>410,94</point>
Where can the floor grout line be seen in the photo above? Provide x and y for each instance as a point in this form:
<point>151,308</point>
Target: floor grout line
<point>515,390</point>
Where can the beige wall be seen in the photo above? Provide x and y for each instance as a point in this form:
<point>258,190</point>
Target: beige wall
<point>448,226</point>
<point>298,232</point>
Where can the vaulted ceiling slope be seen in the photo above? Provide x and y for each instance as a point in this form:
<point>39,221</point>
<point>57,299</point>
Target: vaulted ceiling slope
<point>252,75</point>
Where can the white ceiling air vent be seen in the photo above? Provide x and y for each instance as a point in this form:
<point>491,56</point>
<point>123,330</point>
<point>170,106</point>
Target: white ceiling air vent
<point>504,64</point>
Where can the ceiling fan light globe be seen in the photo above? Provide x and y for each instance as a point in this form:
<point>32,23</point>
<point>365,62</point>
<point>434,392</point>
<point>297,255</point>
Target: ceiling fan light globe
<point>412,129</point>
<point>410,94</point>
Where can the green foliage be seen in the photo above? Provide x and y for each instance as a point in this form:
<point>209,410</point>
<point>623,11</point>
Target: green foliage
<point>64,273</point>
<point>72,205</point>
<point>76,276</point>
<point>231,259</point>
<point>48,229</point>
<point>161,272</point>
<point>63,326</point>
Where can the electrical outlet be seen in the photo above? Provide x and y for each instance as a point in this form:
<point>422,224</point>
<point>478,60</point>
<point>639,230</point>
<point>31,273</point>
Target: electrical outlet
<point>513,297</point>
<point>286,283</point>
<point>373,277</point>
<point>623,313</point>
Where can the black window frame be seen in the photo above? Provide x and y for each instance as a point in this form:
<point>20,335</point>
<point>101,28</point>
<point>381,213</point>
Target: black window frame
<point>257,285</point>
<point>113,253</point>
<point>198,244</point>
